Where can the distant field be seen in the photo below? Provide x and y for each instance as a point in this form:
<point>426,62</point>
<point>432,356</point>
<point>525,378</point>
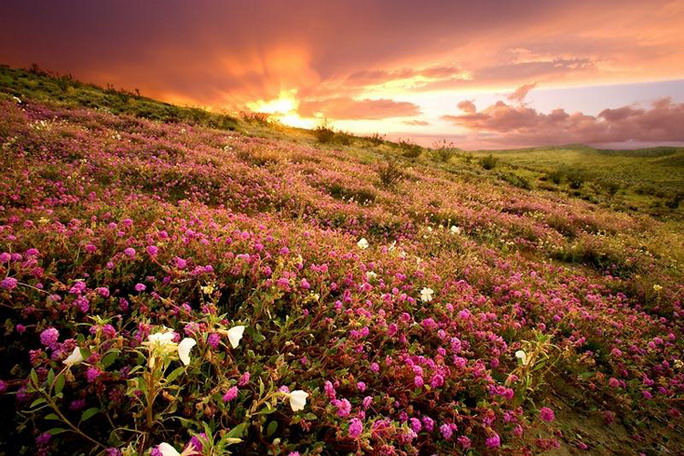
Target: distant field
<point>649,179</point>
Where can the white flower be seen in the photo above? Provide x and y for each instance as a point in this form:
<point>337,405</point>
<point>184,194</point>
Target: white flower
<point>298,400</point>
<point>184,349</point>
<point>426,294</point>
<point>363,243</point>
<point>162,339</point>
<point>234,335</point>
<point>370,276</point>
<point>76,357</point>
<point>522,356</point>
<point>455,229</point>
<point>167,450</point>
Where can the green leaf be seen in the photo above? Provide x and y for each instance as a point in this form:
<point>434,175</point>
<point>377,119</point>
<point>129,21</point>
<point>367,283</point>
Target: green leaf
<point>310,416</point>
<point>89,413</point>
<point>56,431</point>
<point>52,416</point>
<point>238,431</point>
<point>271,428</point>
<point>174,375</point>
<point>59,383</point>
<point>109,359</point>
<point>37,402</point>
<point>34,377</point>
<point>51,377</point>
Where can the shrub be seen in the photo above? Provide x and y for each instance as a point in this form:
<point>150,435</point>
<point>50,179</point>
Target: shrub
<point>576,177</point>
<point>261,118</point>
<point>489,162</point>
<point>410,149</point>
<point>556,176</point>
<point>376,139</point>
<point>444,151</point>
<point>324,134</point>
<point>390,173</point>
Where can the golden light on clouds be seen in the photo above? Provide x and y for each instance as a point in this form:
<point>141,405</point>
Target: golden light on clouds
<point>382,66</point>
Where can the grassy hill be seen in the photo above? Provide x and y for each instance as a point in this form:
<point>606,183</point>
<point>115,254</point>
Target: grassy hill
<point>175,276</point>
<point>647,180</point>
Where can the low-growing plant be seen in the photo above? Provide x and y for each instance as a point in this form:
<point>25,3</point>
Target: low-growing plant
<point>390,172</point>
<point>489,161</point>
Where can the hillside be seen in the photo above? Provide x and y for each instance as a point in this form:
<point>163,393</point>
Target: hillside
<point>171,275</point>
<point>642,180</point>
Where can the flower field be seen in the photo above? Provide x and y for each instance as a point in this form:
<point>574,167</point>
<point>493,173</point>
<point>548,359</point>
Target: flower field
<point>173,289</point>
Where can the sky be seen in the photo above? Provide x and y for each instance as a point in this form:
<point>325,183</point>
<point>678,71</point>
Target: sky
<point>480,74</point>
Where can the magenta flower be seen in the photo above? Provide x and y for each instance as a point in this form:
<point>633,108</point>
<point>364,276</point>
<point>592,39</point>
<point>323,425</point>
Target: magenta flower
<point>231,394</point>
<point>494,441</point>
<point>9,283</point>
<point>546,414</point>
<point>129,252</point>
<point>446,431</point>
<point>355,428</point>
<point>49,337</point>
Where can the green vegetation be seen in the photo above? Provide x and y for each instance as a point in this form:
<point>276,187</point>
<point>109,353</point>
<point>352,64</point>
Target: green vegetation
<point>648,180</point>
<point>46,87</point>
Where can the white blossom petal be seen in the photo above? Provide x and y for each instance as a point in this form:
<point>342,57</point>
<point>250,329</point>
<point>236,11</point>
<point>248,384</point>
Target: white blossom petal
<point>426,294</point>
<point>76,357</point>
<point>234,335</point>
<point>522,356</point>
<point>363,243</point>
<point>167,450</point>
<point>184,349</point>
<point>298,400</point>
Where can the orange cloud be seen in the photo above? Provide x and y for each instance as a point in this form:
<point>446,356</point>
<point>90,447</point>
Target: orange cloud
<point>347,108</point>
<point>521,92</point>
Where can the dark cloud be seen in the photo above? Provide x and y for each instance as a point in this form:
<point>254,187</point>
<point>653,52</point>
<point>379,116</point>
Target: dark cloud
<point>347,108</point>
<point>661,122</point>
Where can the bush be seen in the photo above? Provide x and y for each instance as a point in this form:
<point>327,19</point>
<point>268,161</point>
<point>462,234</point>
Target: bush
<point>576,178</point>
<point>489,162</point>
<point>410,149</point>
<point>444,151</point>
<point>390,173</point>
<point>556,176</point>
<point>376,139</point>
<point>324,134</point>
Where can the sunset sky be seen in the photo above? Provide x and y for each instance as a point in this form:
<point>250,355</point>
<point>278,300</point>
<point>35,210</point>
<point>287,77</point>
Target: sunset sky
<point>483,74</point>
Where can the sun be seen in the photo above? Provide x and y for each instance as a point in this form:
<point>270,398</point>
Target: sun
<point>283,109</point>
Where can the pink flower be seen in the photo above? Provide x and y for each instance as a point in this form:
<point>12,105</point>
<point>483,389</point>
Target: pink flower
<point>436,381</point>
<point>130,252</point>
<point>49,337</point>
<point>546,414</point>
<point>343,407</point>
<point>9,283</point>
<point>355,428</point>
<point>140,287</point>
<point>214,339</point>
<point>446,431</point>
<point>494,441</point>
<point>244,379</point>
<point>92,374</point>
<point>231,394</point>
